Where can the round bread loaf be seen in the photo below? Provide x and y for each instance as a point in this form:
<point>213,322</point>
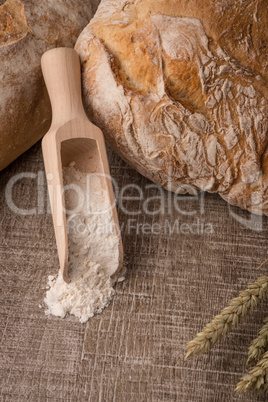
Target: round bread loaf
<point>179,88</point>
<point>27,29</point>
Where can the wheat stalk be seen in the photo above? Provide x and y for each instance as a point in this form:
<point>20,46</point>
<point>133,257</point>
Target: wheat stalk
<point>259,345</point>
<point>257,379</point>
<point>229,317</point>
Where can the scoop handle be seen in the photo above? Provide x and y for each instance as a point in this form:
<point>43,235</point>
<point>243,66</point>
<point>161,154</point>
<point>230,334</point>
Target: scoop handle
<point>62,73</point>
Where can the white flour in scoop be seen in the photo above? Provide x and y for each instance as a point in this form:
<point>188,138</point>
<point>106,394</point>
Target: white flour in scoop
<point>92,247</point>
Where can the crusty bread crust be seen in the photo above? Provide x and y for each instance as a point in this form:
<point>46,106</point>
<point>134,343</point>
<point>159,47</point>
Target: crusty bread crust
<point>27,29</point>
<point>179,88</point>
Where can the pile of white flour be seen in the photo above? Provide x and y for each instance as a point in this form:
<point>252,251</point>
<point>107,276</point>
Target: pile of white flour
<point>92,248</point>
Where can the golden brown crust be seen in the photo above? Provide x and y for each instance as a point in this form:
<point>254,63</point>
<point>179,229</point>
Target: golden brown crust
<point>181,93</point>
<point>238,27</point>
<point>27,29</point>
<point>13,24</point>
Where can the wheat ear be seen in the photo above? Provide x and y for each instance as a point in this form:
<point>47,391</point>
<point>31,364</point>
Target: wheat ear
<point>229,317</point>
<point>257,378</point>
<point>259,345</point>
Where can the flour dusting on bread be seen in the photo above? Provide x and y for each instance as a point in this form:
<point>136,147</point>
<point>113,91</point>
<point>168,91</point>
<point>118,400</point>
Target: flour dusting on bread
<point>172,99</point>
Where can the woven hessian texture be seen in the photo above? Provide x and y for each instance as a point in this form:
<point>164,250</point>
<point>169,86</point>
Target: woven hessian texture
<point>134,350</point>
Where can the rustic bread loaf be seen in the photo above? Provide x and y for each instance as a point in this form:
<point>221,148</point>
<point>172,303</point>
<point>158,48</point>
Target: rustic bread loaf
<point>27,29</point>
<point>179,88</point>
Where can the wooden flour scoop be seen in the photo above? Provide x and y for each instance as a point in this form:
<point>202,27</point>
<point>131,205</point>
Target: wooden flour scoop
<point>71,137</point>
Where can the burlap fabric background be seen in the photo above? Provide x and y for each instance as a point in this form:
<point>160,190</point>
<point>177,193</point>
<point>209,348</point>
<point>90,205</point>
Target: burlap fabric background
<point>134,350</point>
